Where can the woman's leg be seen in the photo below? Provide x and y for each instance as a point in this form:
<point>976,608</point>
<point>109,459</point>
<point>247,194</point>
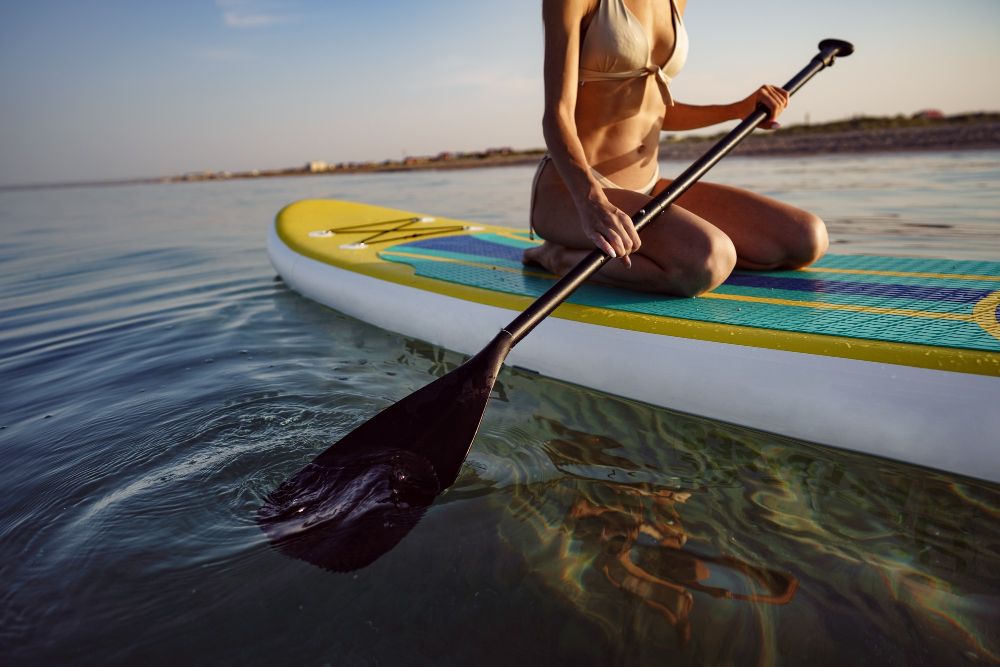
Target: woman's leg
<point>767,233</point>
<point>681,253</point>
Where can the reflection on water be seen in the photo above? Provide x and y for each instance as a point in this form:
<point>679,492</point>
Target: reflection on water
<point>632,533</point>
<point>158,384</point>
<point>666,531</point>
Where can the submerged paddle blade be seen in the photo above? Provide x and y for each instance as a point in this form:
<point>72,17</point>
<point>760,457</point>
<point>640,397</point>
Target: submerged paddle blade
<point>344,514</point>
<point>361,496</point>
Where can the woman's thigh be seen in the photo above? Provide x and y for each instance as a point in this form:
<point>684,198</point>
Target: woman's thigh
<point>767,233</point>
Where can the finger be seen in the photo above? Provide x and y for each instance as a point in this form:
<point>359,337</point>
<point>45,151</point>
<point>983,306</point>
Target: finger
<point>627,261</point>
<point>780,103</point>
<point>603,245</point>
<point>773,105</point>
<point>629,233</point>
<point>765,101</point>
<point>626,232</point>
<point>617,242</point>
<point>633,235</point>
<point>780,96</point>
<point>615,235</point>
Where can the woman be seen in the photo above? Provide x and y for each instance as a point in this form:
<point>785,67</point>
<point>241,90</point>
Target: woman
<point>608,65</point>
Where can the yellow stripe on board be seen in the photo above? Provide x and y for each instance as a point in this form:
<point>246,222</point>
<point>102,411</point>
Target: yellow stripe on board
<point>903,274</point>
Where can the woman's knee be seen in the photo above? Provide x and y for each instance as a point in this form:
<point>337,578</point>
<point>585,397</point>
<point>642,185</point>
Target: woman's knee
<point>705,265</point>
<point>808,243</point>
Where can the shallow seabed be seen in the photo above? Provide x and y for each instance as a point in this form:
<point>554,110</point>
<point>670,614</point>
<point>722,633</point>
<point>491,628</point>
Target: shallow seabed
<point>158,382</point>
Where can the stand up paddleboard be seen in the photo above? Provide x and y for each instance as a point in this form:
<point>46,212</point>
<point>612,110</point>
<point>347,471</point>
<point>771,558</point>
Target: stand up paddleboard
<point>896,357</point>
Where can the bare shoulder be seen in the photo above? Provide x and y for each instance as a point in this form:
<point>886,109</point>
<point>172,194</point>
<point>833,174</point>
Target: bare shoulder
<point>566,12</point>
<point>681,5</point>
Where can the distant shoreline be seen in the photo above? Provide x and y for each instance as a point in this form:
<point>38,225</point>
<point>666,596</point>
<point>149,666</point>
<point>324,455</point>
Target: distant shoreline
<point>856,136</point>
<point>938,137</point>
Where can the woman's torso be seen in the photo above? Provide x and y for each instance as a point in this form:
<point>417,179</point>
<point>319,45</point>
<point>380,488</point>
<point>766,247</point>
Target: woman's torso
<point>619,119</point>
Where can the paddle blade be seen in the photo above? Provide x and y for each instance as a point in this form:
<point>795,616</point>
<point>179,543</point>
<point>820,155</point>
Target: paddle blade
<point>361,496</point>
<point>344,514</point>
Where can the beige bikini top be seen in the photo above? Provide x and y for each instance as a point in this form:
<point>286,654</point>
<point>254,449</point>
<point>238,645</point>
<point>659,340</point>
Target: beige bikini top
<point>616,47</point>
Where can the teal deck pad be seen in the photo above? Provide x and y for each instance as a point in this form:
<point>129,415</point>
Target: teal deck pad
<point>942,303</point>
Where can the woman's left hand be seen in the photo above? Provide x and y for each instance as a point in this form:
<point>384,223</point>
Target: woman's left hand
<point>773,98</point>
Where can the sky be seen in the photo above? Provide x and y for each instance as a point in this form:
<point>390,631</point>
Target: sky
<point>106,89</point>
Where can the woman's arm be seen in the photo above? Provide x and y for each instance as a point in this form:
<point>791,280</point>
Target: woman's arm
<point>562,19</point>
<point>692,117</point>
<point>609,228</point>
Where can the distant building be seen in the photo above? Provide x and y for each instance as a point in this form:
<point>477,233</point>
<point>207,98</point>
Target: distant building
<point>929,114</point>
<point>316,166</point>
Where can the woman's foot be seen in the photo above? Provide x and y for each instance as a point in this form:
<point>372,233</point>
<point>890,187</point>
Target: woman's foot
<point>545,256</point>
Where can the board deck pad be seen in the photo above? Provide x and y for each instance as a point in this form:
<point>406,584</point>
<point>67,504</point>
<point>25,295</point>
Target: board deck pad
<point>943,304</point>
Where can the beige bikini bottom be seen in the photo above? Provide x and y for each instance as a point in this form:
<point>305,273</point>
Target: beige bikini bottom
<point>601,178</point>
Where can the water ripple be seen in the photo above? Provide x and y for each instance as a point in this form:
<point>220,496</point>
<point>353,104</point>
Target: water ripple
<point>158,383</point>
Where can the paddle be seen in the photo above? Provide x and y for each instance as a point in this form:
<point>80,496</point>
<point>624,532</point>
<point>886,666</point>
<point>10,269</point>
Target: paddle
<point>361,496</point>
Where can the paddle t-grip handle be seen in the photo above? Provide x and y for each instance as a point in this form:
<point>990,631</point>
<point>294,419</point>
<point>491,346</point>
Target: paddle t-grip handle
<point>829,50</point>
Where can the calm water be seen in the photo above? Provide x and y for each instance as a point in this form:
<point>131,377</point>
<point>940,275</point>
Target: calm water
<point>158,382</point>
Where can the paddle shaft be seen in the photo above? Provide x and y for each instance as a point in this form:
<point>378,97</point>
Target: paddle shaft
<point>545,304</point>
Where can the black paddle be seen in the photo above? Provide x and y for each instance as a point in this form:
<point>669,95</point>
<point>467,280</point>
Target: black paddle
<point>361,496</point>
